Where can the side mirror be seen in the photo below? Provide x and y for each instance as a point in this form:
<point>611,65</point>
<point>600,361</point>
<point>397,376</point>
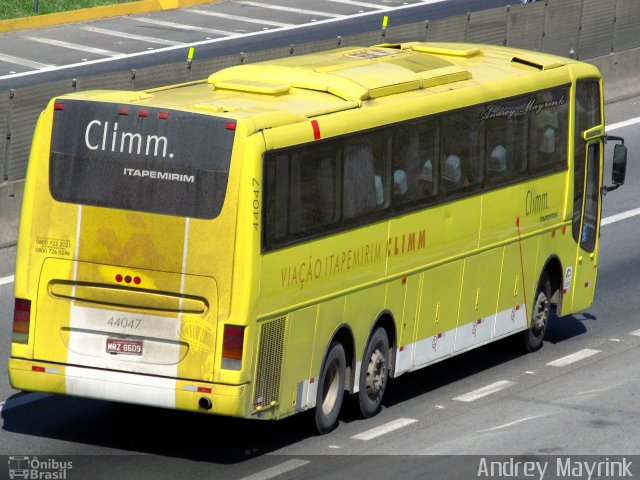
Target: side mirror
<point>619,168</point>
<point>619,164</point>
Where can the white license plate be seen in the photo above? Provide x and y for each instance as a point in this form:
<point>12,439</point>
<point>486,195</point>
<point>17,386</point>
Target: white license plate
<point>119,346</point>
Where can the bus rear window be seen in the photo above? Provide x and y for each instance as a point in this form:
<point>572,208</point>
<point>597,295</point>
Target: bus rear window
<point>140,158</point>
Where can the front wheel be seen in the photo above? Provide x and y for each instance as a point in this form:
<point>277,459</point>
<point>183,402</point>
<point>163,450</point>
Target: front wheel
<point>330,389</point>
<point>374,374</point>
<point>539,316</point>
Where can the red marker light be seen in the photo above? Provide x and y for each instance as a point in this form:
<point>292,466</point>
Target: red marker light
<point>137,280</point>
<point>35,368</point>
<point>127,279</point>
<point>163,115</point>
<point>316,129</point>
<point>143,113</point>
<point>58,106</point>
<point>119,278</point>
<point>204,390</point>
<point>230,126</point>
<point>123,111</point>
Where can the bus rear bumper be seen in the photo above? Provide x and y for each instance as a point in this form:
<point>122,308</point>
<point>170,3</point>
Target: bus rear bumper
<point>35,376</point>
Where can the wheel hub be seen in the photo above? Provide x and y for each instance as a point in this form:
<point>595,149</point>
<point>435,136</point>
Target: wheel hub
<point>376,373</point>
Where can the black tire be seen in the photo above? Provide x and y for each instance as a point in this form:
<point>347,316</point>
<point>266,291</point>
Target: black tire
<point>330,389</point>
<point>374,374</point>
<point>539,315</point>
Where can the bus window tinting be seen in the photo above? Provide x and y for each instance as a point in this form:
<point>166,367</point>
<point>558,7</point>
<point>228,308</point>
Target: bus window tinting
<point>356,179</point>
<point>588,115</point>
<point>140,161</point>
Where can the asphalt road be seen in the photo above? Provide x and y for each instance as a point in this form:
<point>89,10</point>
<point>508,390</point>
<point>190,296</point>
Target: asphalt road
<point>578,395</point>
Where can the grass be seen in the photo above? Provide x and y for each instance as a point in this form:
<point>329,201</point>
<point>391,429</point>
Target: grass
<point>25,8</point>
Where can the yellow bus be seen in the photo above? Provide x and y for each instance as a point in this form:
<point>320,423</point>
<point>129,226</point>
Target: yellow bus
<point>276,236</point>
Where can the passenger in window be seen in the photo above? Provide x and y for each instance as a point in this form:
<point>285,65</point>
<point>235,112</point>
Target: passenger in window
<point>379,190</point>
<point>426,178</point>
<point>498,161</point>
<point>452,173</point>
<point>400,183</point>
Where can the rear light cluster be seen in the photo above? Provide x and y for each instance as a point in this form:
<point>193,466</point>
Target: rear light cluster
<point>21,321</point>
<point>232,347</point>
<point>125,111</point>
<point>128,279</point>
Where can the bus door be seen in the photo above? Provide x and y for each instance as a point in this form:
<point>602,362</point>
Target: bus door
<point>588,131</point>
<point>588,231</point>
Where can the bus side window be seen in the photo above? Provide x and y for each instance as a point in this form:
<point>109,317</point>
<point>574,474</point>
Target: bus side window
<point>414,147</point>
<point>360,191</point>
<point>277,188</point>
<point>366,183</point>
<point>548,132</point>
<point>462,156</point>
<point>313,200</point>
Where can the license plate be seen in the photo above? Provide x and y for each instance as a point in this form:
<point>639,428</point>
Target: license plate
<point>124,347</point>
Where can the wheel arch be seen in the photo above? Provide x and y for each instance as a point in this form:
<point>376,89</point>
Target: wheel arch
<point>386,320</point>
<point>554,270</point>
<point>344,335</point>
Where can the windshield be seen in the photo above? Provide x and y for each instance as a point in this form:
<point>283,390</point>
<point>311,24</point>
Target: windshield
<point>140,158</point>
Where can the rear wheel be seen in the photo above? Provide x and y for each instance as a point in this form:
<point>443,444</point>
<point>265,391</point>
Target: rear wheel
<point>330,389</point>
<point>374,374</point>
<point>540,315</point>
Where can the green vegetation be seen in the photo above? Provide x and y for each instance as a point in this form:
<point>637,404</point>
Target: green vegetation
<point>25,8</point>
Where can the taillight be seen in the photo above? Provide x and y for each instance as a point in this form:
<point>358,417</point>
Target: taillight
<point>21,320</point>
<point>232,345</point>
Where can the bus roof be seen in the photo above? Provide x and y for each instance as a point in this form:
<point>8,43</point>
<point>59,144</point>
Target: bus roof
<point>289,90</point>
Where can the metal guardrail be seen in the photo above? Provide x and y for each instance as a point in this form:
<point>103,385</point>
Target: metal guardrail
<point>583,29</point>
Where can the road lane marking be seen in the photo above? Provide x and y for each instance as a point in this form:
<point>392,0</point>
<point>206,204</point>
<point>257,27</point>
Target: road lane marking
<point>360,4</point>
<point>384,429</point>
<point>484,391</point>
<point>635,333</point>
<point>510,424</point>
<point>181,26</point>
<point>24,62</point>
<point>277,470</point>
<point>7,280</point>
<point>574,357</point>
<point>74,46</point>
<point>131,36</point>
<point>291,9</point>
<point>620,216</point>
<point>238,18</point>
<point>626,123</point>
